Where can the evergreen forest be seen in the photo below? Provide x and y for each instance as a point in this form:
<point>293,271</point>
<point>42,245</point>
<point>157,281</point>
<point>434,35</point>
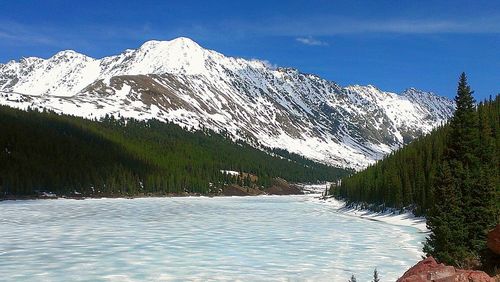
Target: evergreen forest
<point>44,151</point>
<point>450,175</point>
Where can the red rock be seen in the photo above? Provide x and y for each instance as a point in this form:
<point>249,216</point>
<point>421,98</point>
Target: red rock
<point>494,240</point>
<point>429,270</point>
<point>471,275</point>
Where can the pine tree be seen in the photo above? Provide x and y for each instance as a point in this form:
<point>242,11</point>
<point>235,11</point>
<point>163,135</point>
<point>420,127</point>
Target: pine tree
<point>464,135</point>
<point>470,182</point>
<point>454,186</point>
<point>463,143</point>
<point>464,155</point>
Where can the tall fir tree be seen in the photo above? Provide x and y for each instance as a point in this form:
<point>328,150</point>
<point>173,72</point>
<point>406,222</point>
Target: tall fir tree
<point>464,134</point>
<point>472,153</point>
<point>463,145</point>
<point>465,207</point>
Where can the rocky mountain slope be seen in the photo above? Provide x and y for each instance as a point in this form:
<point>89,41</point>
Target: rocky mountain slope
<point>182,82</point>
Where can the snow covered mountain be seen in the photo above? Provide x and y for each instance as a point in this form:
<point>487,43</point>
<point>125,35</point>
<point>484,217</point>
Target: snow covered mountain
<point>180,81</point>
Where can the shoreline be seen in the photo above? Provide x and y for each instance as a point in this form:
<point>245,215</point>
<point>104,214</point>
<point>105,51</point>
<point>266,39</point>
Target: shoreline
<point>183,195</point>
<point>390,217</point>
<point>229,191</point>
<point>314,191</point>
<point>278,187</point>
<point>148,197</point>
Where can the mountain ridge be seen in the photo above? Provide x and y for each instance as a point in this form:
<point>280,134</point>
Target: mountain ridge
<point>182,82</point>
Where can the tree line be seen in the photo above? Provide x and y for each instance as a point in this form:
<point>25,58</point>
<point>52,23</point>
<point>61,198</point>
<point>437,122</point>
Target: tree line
<point>45,151</point>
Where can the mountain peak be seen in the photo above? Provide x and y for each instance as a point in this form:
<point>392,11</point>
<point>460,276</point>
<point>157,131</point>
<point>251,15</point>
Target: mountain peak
<point>184,41</point>
<point>176,43</point>
<point>180,55</point>
<point>181,82</point>
<point>69,54</point>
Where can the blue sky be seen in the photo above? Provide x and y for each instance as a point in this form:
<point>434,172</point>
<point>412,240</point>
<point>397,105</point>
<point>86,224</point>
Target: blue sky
<point>391,44</point>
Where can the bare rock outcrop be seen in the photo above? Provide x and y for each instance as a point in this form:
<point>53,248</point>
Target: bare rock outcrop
<point>236,190</point>
<point>429,270</point>
<point>282,187</point>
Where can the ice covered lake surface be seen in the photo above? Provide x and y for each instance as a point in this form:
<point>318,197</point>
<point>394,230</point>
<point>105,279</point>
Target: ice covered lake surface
<point>265,238</point>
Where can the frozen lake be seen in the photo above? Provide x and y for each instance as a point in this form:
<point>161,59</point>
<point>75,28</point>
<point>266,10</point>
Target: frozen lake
<point>268,238</point>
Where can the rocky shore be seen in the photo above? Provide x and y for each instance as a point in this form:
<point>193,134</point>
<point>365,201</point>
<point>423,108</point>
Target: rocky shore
<point>429,270</point>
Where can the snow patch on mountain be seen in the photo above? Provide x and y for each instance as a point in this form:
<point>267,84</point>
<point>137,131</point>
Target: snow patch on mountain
<point>182,82</point>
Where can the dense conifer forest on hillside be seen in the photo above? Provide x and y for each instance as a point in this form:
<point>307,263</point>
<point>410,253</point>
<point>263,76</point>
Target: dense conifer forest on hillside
<point>44,151</point>
<point>402,179</point>
<point>451,176</point>
<point>406,177</point>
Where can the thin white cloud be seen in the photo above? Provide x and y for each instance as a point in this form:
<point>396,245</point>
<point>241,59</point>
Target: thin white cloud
<point>311,41</point>
<point>17,33</point>
<point>425,26</point>
<point>327,26</point>
<point>304,30</point>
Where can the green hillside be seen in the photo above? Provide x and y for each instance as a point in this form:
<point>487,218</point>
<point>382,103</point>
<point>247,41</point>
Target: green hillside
<point>44,151</point>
